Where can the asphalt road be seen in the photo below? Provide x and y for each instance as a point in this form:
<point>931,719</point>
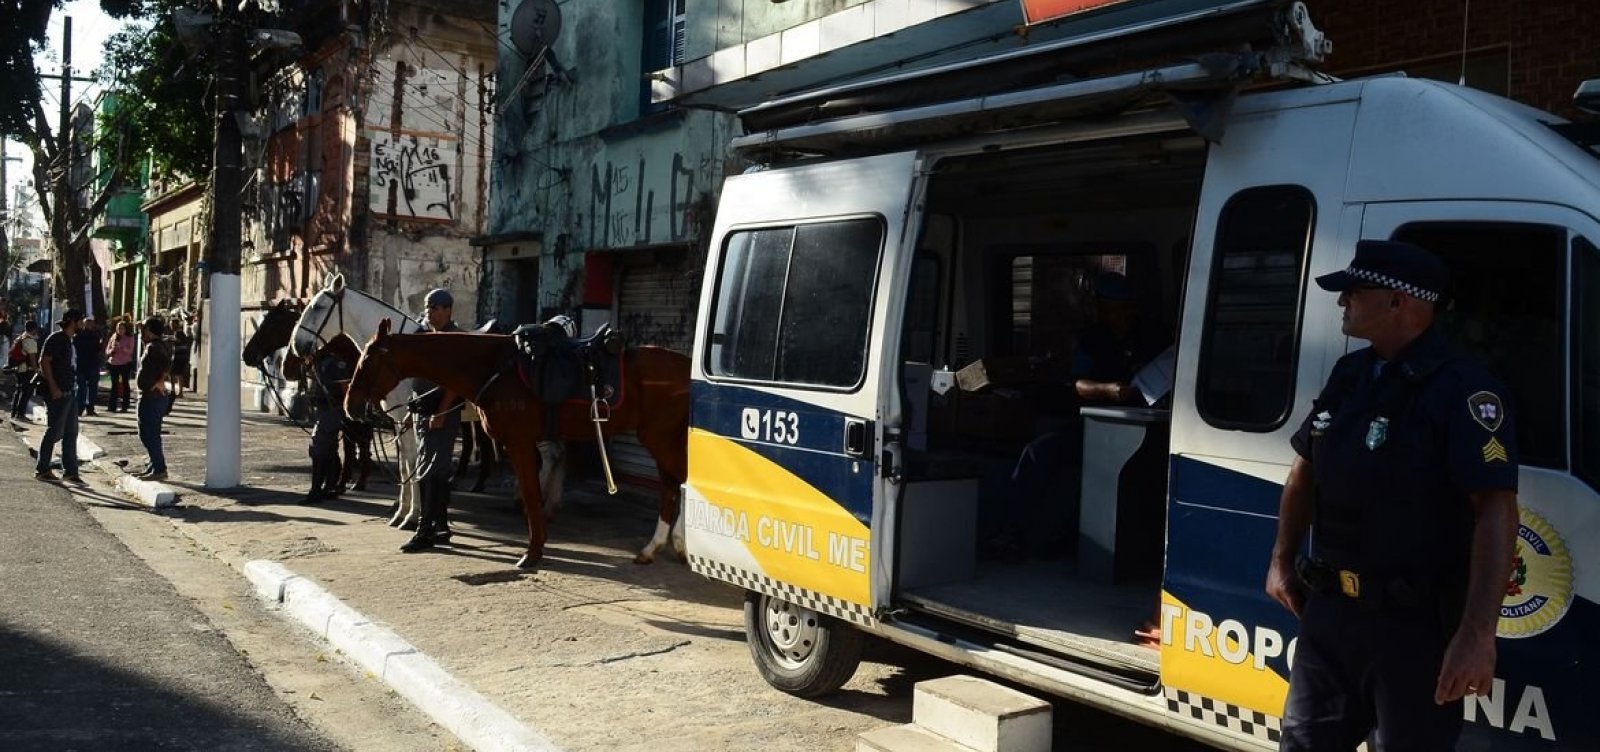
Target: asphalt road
<point>98,652</point>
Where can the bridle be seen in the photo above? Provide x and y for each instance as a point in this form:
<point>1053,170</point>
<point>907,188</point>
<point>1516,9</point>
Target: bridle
<point>338,307</point>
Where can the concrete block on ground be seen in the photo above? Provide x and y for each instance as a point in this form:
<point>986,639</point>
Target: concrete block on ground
<point>907,738</point>
<point>88,451</point>
<point>982,715</point>
<point>149,493</point>
<point>269,578</point>
<point>454,705</point>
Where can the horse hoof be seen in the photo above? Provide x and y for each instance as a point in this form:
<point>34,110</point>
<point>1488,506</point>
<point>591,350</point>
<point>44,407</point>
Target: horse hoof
<point>408,525</point>
<point>644,558</point>
<point>528,561</point>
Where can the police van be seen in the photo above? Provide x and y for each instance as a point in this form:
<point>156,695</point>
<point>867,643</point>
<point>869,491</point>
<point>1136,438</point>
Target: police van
<point>892,299</point>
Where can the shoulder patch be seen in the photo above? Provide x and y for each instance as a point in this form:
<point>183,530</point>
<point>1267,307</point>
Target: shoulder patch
<point>1487,410</point>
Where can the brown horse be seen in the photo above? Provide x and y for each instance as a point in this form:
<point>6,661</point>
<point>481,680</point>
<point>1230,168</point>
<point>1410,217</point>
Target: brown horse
<point>480,367</point>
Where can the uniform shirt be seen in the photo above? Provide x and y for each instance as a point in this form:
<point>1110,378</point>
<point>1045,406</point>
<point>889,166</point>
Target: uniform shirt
<point>1395,452</point>
<point>63,359</point>
<point>422,400</point>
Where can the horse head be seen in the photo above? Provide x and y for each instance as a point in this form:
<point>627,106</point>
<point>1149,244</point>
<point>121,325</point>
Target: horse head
<point>314,328</point>
<point>374,376</point>
<point>274,332</point>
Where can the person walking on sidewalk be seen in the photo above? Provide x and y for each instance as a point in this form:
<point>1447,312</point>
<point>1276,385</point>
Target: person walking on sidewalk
<point>155,369</point>
<point>436,417</point>
<point>27,365</point>
<point>119,361</point>
<point>89,346</point>
<point>58,370</point>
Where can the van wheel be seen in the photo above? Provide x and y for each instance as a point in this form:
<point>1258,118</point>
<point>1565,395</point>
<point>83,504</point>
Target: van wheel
<point>799,650</point>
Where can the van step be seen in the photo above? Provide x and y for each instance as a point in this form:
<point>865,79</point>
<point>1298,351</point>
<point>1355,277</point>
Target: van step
<point>907,738</point>
<point>982,715</point>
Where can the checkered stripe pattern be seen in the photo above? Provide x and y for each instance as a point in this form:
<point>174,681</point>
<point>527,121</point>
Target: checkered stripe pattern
<point>1234,718</point>
<point>824,604</point>
<point>1427,296</point>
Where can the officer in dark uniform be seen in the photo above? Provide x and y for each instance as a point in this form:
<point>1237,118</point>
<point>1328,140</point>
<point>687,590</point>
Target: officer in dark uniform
<point>436,416</point>
<point>1406,478</point>
<point>331,376</point>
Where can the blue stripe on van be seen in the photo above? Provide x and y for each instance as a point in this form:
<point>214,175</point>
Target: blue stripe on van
<point>817,457</point>
<point>1221,528</point>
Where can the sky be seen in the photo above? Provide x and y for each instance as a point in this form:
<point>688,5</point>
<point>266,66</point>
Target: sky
<point>90,29</point>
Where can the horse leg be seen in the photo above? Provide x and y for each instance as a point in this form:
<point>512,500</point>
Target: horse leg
<point>364,458</point>
<point>405,517</point>
<point>669,524</point>
<point>488,455</point>
<point>552,474</point>
<point>524,458</point>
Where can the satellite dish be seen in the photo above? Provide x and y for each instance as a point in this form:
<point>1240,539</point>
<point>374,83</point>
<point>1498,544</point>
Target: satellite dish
<point>535,25</point>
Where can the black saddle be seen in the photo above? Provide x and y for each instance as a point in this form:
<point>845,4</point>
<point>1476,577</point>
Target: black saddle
<point>562,368</point>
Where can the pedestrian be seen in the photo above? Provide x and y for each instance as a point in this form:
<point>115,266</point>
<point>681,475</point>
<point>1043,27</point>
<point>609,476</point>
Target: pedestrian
<point>90,349</point>
<point>330,376</point>
<point>24,356</point>
<point>155,372</point>
<point>58,372</point>
<point>436,418</point>
<point>182,343</point>
<point>119,352</point>
<point>1406,478</point>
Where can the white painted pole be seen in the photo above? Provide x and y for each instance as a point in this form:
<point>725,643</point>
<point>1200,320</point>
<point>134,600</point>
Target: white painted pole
<point>222,384</point>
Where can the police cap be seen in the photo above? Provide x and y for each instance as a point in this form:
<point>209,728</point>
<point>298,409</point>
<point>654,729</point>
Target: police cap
<point>1394,265</point>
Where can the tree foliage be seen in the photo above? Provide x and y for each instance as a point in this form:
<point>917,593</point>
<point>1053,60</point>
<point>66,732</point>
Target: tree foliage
<point>23,30</point>
<point>162,108</point>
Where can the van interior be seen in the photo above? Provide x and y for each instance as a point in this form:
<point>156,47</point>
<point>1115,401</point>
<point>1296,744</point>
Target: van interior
<point>1003,298</point>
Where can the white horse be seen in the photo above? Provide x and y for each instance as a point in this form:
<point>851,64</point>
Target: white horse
<point>339,309</point>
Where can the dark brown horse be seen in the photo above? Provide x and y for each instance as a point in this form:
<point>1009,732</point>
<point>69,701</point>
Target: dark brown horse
<point>480,367</point>
<point>274,333</point>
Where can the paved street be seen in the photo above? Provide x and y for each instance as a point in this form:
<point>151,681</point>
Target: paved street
<point>594,651</point>
<point>100,652</point>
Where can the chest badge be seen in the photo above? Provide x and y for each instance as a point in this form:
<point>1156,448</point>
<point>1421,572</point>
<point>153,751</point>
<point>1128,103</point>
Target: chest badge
<point>1377,432</point>
<point>1320,423</point>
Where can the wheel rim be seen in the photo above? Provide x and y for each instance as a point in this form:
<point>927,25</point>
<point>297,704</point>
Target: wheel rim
<point>791,631</point>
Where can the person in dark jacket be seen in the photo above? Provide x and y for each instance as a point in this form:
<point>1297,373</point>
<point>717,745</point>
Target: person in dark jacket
<point>58,370</point>
<point>89,345</point>
<point>155,371</point>
<point>330,376</point>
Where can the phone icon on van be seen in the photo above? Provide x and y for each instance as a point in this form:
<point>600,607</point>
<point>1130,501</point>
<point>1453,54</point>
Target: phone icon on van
<point>750,423</point>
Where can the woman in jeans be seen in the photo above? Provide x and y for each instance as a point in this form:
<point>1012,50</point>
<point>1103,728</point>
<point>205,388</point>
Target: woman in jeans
<point>155,369</point>
<point>119,361</point>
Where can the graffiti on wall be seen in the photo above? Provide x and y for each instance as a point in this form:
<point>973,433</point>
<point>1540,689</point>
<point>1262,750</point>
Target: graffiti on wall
<point>623,201</point>
<point>412,177</point>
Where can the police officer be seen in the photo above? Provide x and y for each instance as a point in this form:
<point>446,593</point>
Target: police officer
<point>436,419</point>
<point>1406,478</point>
<point>331,376</point>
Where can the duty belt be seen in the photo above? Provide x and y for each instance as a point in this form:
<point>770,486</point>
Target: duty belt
<point>1376,592</point>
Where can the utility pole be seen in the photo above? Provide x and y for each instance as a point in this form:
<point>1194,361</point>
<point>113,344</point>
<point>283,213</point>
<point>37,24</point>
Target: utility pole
<point>222,320</point>
<point>63,186</point>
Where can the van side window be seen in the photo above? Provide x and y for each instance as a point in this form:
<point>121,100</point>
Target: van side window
<point>794,303</point>
<point>1586,361</point>
<point>1506,308</point>
<point>1251,340</point>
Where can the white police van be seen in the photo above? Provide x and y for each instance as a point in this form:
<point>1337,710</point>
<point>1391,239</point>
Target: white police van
<point>911,224</point>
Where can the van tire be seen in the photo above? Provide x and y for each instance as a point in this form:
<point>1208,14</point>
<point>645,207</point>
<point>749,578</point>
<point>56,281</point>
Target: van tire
<point>798,650</point>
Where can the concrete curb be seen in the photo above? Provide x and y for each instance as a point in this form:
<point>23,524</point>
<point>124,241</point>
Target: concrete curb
<point>411,674</point>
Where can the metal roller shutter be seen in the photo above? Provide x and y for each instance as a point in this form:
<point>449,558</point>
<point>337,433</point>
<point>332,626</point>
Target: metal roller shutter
<point>656,305</point>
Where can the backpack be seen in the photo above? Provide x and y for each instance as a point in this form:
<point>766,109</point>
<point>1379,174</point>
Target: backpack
<point>16,357</point>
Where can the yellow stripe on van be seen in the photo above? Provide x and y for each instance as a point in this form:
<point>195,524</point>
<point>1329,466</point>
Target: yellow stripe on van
<point>797,534</point>
<point>1225,660</point>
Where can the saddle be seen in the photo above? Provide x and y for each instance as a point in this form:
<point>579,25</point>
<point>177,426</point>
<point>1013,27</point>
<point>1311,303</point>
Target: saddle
<point>561,368</point>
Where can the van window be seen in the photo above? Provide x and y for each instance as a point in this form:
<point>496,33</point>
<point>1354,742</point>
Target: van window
<point>1507,307</point>
<point>1586,361</point>
<point>1251,340</point>
<point>794,303</point>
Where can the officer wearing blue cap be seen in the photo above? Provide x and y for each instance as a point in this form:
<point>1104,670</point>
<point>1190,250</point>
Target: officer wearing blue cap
<point>436,417</point>
<point>1406,478</point>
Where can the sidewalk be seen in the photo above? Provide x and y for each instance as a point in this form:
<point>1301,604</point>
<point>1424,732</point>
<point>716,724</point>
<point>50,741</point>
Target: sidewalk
<point>592,651</point>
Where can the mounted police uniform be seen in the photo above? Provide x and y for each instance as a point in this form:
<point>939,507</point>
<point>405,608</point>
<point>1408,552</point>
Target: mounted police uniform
<point>327,402</point>
<point>1396,449</point>
<point>435,447</point>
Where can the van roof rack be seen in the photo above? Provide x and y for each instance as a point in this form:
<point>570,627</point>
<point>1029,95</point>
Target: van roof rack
<point>1047,83</point>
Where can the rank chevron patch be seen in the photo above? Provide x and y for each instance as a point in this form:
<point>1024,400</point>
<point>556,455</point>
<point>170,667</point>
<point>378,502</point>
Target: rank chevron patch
<point>1494,451</point>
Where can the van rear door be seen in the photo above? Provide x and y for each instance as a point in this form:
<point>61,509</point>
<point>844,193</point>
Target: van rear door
<point>789,398</point>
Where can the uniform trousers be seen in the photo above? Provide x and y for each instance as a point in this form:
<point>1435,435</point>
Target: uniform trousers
<point>435,450</point>
<point>1366,673</point>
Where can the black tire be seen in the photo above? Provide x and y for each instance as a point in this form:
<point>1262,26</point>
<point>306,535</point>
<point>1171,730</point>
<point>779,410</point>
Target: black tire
<point>798,650</point>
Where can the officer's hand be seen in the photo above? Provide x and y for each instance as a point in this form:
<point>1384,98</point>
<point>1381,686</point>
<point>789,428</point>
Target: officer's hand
<point>1468,666</point>
<point>1284,586</point>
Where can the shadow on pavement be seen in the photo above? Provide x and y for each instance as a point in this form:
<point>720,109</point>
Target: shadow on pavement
<point>56,700</point>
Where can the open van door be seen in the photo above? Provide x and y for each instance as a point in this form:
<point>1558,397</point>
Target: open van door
<point>787,482</point>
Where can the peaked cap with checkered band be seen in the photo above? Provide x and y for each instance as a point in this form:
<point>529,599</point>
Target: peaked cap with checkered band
<point>1395,265</point>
